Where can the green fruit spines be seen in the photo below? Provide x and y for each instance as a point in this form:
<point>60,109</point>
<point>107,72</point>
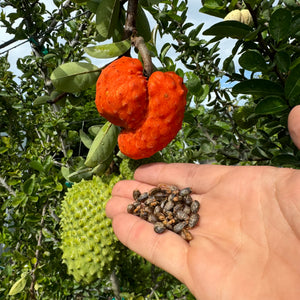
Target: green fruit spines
<point>90,248</point>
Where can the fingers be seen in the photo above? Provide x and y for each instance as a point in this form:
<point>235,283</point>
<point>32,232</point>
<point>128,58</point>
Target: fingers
<point>294,125</point>
<point>201,178</point>
<point>167,250</point>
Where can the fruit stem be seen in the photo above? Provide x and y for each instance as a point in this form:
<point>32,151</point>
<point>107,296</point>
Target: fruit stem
<point>139,43</point>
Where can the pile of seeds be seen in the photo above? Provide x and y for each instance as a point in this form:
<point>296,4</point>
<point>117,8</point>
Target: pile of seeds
<point>167,207</point>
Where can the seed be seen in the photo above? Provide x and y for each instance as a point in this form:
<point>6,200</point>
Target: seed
<point>187,209</point>
<point>195,206</point>
<point>169,205</point>
<point>143,215</point>
<point>153,191</point>
<point>177,207</point>
<point>185,191</point>
<point>149,209</point>
<point>160,216</point>
<point>159,227</point>
<point>181,215</point>
<point>152,218</point>
<point>157,209</point>
<point>194,219</point>
<point>179,226</point>
<point>130,208</point>
<point>150,200</point>
<point>185,234</point>
<point>160,196</point>
<point>136,194</point>
<point>143,197</point>
<point>188,200</point>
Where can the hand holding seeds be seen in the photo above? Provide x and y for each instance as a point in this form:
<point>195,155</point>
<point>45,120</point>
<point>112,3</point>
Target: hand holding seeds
<point>247,242</point>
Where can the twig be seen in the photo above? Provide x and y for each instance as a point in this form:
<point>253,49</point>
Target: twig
<point>7,187</point>
<point>139,43</point>
<point>115,285</point>
<point>130,23</point>
<point>37,253</point>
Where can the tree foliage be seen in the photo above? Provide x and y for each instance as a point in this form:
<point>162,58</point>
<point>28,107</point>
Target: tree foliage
<point>52,135</point>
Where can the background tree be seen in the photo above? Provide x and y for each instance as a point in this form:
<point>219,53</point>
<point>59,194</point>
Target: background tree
<point>49,121</point>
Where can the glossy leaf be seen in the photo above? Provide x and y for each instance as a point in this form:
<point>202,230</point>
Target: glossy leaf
<point>253,61</point>
<point>103,145</point>
<point>102,167</point>
<point>93,130</point>
<point>292,85</point>
<point>271,105</point>
<point>75,76</point>
<point>283,61</point>
<point>193,84</point>
<point>108,50</point>
<point>285,160</point>
<point>107,12</point>
<point>280,23</point>
<point>41,100</point>
<point>233,29</point>
<point>142,24</point>
<point>29,184</point>
<point>259,87</point>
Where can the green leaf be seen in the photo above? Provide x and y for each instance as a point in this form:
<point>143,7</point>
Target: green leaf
<point>108,50</point>
<point>29,184</point>
<point>142,24</point>
<point>282,61</point>
<point>271,105</point>
<point>280,23</point>
<point>102,167</point>
<point>93,130</point>
<point>41,100</point>
<point>193,84</point>
<point>253,61</point>
<point>84,173</point>
<point>233,29</point>
<point>259,87</point>
<point>292,85</point>
<point>106,14</point>
<point>18,286</point>
<point>75,76</point>
<point>36,165</point>
<point>103,145</point>
<point>86,140</point>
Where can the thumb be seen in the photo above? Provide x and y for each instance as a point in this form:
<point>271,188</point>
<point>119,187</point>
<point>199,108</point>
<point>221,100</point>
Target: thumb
<point>294,125</point>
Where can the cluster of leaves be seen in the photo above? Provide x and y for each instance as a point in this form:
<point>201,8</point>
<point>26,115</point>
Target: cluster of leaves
<point>51,134</point>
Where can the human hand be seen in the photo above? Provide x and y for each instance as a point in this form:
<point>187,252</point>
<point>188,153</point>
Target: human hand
<point>247,244</point>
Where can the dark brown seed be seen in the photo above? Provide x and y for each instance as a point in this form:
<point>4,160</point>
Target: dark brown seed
<point>136,194</point>
<point>143,197</point>
<point>149,209</point>
<point>160,196</point>
<point>143,215</point>
<point>171,196</point>
<point>169,215</point>
<point>195,206</point>
<point>169,205</point>
<point>155,190</point>
<point>159,227</point>
<point>130,208</point>
<point>177,207</point>
<point>181,215</point>
<point>168,188</point>
<point>149,200</point>
<point>157,209</point>
<point>179,226</point>
<point>188,200</point>
<point>185,234</point>
<point>152,218</point>
<point>163,203</point>
<point>184,192</point>
<point>161,216</point>
<point>187,209</point>
<point>194,219</point>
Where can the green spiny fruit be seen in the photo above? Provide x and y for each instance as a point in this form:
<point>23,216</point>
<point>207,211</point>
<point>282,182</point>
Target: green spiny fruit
<point>90,247</point>
<point>128,165</point>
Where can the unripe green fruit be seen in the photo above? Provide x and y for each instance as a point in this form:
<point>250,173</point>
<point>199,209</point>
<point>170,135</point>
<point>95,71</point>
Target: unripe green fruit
<point>242,16</point>
<point>90,247</point>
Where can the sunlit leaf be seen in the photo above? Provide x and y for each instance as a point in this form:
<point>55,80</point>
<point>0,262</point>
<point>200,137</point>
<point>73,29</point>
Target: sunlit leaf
<point>271,105</point>
<point>108,50</point>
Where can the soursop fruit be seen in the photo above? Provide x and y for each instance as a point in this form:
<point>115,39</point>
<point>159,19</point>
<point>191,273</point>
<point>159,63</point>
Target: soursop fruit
<point>90,247</point>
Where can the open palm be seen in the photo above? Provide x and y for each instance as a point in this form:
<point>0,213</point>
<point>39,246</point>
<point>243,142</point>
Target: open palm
<point>247,243</point>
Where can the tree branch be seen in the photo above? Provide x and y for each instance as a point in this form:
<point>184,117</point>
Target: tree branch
<point>130,23</point>
<point>7,187</point>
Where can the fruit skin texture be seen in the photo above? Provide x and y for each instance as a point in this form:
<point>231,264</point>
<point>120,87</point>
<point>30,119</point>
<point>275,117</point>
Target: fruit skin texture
<point>167,100</point>
<point>121,93</point>
<point>90,248</point>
